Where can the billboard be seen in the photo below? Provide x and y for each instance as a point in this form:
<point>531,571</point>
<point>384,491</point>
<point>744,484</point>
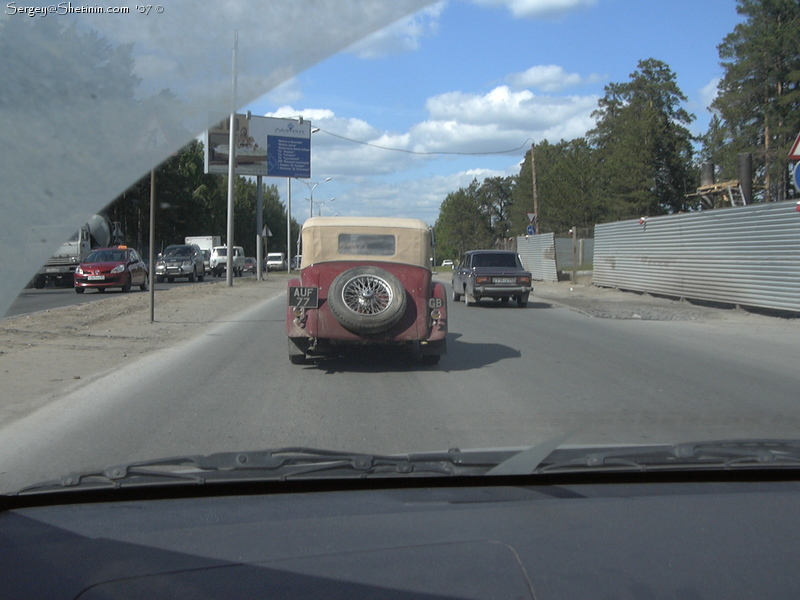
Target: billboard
<point>263,146</point>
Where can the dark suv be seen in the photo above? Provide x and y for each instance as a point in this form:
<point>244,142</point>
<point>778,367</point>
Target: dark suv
<point>497,274</point>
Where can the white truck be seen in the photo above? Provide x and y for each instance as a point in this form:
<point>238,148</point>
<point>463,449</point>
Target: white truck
<point>60,268</point>
<point>206,244</point>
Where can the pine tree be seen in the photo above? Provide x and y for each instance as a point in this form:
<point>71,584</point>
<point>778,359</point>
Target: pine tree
<point>759,94</point>
<point>644,148</point>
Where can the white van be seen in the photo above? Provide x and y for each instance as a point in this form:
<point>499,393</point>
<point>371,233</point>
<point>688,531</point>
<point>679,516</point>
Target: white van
<point>219,260</point>
<point>276,261</point>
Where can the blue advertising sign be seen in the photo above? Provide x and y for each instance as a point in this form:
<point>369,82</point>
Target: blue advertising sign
<point>288,156</point>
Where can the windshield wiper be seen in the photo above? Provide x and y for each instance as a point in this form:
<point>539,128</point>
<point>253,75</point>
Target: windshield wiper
<point>713,455</point>
<point>276,465</point>
<point>293,463</point>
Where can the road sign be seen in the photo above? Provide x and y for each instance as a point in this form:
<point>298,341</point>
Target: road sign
<point>794,154</point>
<point>797,177</point>
<point>531,217</point>
<point>531,230</point>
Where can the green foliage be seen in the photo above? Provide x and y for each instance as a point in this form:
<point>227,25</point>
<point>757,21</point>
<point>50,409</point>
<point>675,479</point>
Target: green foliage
<point>759,95</point>
<point>567,184</point>
<point>463,224</point>
<point>495,196</point>
<point>642,144</point>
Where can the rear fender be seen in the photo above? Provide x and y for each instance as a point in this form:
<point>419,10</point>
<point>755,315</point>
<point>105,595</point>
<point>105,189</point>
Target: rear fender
<point>438,301</point>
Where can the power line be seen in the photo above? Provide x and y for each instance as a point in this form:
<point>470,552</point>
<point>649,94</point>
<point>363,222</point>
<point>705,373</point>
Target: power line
<point>341,137</point>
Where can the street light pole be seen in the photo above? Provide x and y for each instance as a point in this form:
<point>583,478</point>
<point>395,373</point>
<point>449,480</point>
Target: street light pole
<point>321,204</point>
<point>311,193</point>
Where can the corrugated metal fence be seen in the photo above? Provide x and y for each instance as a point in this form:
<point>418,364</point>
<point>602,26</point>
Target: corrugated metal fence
<point>748,256</point>
<point>538,254</point>
<point>585,252</point>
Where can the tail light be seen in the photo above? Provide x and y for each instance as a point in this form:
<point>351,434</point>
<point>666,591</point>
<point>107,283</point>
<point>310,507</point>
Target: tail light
<point>483,279</point>
<point>523,280</point>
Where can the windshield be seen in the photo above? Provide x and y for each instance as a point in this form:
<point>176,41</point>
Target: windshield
<point>589,138</point>
<point>106,256</point>
<point>178,251</point>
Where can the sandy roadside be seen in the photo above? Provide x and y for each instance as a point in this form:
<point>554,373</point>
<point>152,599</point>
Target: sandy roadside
<point>47,354</point>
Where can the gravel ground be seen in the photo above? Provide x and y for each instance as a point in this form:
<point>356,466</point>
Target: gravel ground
<point>47,354</point>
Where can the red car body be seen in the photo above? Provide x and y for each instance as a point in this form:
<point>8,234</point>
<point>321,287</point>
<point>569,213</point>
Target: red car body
<point>105,268</point>
<point>317,322</point>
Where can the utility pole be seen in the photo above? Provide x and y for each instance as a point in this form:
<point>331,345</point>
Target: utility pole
<point>535,193</point>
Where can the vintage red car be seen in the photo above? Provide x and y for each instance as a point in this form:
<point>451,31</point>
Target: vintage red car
<point>365,280</point>
<point>104,268</point>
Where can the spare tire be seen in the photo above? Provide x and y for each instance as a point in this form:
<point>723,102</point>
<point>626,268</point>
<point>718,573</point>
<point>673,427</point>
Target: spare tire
<point>367,299</point>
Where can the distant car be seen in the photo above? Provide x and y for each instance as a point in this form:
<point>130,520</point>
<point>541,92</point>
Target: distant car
<point>276,261</point>
<point>497,274</point>
<point>219,260</point>
<point>180,260</point>
<point>366,281</point>
<point>249,265</point>
<point>448,263</point>
<point>105,268</point>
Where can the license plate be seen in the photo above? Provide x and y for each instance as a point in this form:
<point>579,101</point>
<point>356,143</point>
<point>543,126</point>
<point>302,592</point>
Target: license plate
<point>307,297</point>
<point>504,280</point>
<point>96,277</point>
<point>52,270</point>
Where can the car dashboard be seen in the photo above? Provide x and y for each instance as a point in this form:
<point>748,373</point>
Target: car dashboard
<point>516,538</point>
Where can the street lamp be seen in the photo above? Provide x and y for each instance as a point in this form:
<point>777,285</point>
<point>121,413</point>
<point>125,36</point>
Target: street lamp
<point>311,193</point>
<point>321,204</point>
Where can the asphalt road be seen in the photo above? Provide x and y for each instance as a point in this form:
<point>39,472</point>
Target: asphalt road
<point>512,377</point>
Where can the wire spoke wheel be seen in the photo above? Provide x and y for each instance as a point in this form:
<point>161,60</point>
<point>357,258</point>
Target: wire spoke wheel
<point>367,299</point>
<point>367,295</point>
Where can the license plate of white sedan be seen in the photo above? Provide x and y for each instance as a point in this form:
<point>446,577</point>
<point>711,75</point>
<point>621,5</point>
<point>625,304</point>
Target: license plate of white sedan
<point>504,280</point>
<point>303,296</point>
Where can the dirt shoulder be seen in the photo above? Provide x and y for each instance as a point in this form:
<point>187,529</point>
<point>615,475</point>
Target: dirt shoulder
<point>47,354</point>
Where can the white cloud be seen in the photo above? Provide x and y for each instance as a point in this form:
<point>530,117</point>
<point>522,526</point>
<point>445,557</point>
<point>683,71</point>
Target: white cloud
<point>416,198</point>
<point>458,123</point>
<point>709,92</point>
<point>503,110</point>
<point>539,8</point>
<point>402,36</point>
<point>286,93</point>
<point>549,78</point>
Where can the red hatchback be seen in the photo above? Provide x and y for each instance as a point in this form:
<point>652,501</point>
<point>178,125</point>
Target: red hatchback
<point>103,268</point>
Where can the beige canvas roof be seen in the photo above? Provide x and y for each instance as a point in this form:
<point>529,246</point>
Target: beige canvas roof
<point>323,237</point>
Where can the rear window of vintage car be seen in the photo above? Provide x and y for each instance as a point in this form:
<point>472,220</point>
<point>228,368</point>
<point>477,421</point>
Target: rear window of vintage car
<point>373,244</point>
<point>494,260</point>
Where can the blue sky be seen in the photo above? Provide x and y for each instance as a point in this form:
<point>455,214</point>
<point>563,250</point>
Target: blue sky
<point>465,76</point>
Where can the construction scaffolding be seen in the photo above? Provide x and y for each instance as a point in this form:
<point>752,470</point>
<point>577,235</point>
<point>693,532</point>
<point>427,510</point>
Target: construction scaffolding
<point>720,195</point>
